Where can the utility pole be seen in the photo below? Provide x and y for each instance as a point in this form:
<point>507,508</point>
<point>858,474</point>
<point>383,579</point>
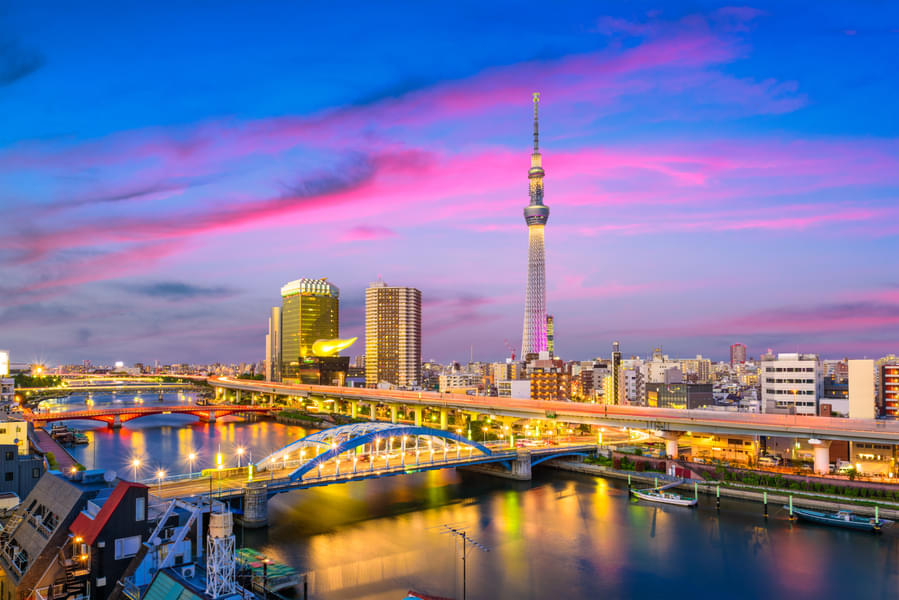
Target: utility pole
<point>465,541</point>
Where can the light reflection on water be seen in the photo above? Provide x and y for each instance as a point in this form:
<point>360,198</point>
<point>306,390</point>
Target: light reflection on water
<point>559,536</point>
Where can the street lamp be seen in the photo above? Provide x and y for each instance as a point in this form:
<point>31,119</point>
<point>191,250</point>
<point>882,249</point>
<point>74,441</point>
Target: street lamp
<point>240,452</point>
<point>484,431</point>
<point>190,461</point>
<point>159,475</point>
<point>135,465</point>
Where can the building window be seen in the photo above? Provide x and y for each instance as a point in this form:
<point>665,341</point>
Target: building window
<point>7,476</point>
<point>127,547</point>
<point>9,455</point>
<point>35,473</point>
<point>140,506</point>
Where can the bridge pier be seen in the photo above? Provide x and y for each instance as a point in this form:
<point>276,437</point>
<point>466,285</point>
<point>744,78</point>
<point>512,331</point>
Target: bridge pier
<point>417,412</point>
<point>354,406</point>
<point>520,468</point>
<point>116,422</point>
<point>255,505</point>
<point>393,409</point>
<point>211,417</point>
<point>443,419</point>
<point>373,407</point>
<point>237,397</point>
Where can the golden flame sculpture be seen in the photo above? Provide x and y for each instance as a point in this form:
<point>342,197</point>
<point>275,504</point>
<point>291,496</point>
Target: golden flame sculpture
<point>331,347</point>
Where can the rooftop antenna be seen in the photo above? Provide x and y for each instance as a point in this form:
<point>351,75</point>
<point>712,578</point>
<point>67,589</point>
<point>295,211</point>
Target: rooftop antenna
<point>465,541</point>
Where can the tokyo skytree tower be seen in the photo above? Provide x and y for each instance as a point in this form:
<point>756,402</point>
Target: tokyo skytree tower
<point>533,339</point>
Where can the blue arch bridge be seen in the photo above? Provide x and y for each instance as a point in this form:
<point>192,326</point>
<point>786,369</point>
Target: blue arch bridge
<point>356,452</point>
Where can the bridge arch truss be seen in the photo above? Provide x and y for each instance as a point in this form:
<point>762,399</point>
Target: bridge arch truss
<point>330,444</point>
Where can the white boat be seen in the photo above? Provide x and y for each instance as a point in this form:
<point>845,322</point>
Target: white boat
<point>656,495</point>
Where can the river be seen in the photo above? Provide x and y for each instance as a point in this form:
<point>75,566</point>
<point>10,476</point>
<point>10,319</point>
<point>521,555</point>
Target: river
<point>559,536</point>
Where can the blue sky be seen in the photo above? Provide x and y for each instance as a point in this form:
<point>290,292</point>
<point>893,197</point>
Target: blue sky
<point>716,173</point>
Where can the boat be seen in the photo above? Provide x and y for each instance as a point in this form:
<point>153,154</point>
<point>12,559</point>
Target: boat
<point>841,518</point>
<point>659,495</point>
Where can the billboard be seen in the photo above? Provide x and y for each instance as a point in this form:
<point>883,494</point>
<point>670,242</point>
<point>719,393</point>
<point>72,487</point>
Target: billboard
<point>4,363</point>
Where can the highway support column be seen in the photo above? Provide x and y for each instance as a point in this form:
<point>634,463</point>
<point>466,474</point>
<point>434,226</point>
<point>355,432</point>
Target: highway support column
<point>354,406</point>
<point>417,412</point>
<point>822,456</point>
<point>443,419</point>
<point>393,409</point>
<point>671,448</point>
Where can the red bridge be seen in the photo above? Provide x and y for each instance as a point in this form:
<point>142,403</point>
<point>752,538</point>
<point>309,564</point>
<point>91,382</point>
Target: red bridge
<point>114,417</point>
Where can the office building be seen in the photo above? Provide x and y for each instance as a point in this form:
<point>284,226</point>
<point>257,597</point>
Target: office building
<point>679,395</point>
<point>533,338</point>
<point>737,354</point>
<point>550,336</point>
<point>392,336</point>
<point>888,398</point>
<point>791,383</point>
<point>309,328</point>
<point>7,390</point>
<point>615,368</point>
<point>834,401</point>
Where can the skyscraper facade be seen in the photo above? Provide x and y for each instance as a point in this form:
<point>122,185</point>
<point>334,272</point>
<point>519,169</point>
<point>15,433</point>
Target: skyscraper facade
<point>309,312</point>
<point>392,335</point>
<point>533,338</point>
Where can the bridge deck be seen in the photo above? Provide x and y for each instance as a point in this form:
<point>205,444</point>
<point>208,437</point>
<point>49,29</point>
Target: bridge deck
<point>232,486</point>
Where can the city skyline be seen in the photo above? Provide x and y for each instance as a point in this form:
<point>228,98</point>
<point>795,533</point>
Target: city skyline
<point>707,187</point>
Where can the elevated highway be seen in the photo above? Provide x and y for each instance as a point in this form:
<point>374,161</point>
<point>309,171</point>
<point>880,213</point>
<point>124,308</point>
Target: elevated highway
<point>653,419</point>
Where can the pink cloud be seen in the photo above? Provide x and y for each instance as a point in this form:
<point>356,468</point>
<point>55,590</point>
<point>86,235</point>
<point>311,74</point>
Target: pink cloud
<point>367,233</point>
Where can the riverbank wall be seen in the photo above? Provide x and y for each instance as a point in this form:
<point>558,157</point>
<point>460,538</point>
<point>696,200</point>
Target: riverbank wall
<point>776,497</point>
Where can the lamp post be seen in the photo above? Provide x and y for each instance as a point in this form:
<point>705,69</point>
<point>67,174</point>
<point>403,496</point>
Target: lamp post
<point>159,475</point>
<point>240,452</point>
<point>190,461</point>
<point>135,465</point>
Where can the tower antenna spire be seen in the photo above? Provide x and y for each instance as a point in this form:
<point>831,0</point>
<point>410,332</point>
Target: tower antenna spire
<point>536,129</point>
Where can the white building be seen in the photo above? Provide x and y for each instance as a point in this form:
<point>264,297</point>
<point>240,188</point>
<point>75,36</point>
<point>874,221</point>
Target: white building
<point>514,388</point>
<point>455,381</point>
<point>862,398</point>
<point>791,384</point>
<point>4,363</point>
<point>7,390</point>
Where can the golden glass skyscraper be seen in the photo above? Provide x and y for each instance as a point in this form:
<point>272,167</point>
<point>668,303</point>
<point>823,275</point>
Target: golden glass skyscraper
<point>309,312</point>
<point>392,335</point>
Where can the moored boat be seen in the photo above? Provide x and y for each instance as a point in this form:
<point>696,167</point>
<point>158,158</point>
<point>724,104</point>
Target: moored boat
<point>663,497</point>
<point>841,518</point>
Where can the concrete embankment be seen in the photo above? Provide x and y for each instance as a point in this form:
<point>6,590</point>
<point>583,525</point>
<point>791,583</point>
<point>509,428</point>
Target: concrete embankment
<point>776,497</point>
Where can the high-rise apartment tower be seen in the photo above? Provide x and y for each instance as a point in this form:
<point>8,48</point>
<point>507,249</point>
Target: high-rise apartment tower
<point>392,335</point>
<point>533,338</point>
<point>737,354</point>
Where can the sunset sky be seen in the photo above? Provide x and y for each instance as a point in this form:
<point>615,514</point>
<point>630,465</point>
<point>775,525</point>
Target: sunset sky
<point>714,173</point>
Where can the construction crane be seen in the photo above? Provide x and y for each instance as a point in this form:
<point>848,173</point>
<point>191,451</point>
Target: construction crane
<point>510,348</point>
